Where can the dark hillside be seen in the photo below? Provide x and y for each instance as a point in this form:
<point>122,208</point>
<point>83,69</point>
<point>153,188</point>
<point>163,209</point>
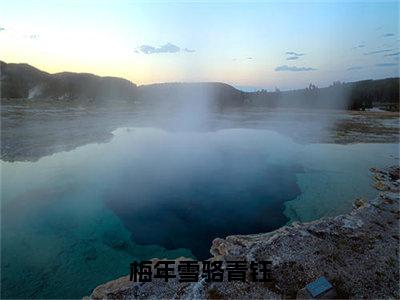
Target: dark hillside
<point>22,81</point>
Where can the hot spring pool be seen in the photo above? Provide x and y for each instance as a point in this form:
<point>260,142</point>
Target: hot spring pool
<point>76,219</point>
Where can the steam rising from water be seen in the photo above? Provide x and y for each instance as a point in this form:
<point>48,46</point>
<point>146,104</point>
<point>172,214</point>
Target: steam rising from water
<point>306,115</point>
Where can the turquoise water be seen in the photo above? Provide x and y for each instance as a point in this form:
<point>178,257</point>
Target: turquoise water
<point>76,219</point>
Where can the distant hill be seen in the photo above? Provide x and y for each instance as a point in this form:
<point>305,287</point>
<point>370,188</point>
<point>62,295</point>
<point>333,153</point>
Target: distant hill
<point>353,95</point>
<point>22,81</point>
<point>25,81</point>
<point>214,93</point>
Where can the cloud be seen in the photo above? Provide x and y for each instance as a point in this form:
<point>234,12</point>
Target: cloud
<point>2,28</point>
<point>393,54</point>
<point>388,34</point>
<point>167,48</point>
<point>359,46</point>
<point>249,57</point>
<point>378,51</point>
<point>293,69</point>
<point>291,55</point>
<point>295,53</point>
<point>386,65</point>
<point>354,68</point>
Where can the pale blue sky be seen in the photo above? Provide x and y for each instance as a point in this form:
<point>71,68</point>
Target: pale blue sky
<point>240,43</point>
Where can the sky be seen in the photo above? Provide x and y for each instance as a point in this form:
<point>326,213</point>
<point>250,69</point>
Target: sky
<point>256,44</point>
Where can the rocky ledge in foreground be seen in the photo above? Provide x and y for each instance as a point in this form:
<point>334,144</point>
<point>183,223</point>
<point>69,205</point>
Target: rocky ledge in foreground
<point>357,252</point>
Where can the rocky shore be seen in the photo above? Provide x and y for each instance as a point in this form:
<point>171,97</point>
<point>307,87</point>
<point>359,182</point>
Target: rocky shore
<point>357,252</point>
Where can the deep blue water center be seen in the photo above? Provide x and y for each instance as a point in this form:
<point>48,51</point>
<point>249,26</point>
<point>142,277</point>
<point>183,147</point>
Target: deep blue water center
<point>205,202</point>
<point>74,220</point>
